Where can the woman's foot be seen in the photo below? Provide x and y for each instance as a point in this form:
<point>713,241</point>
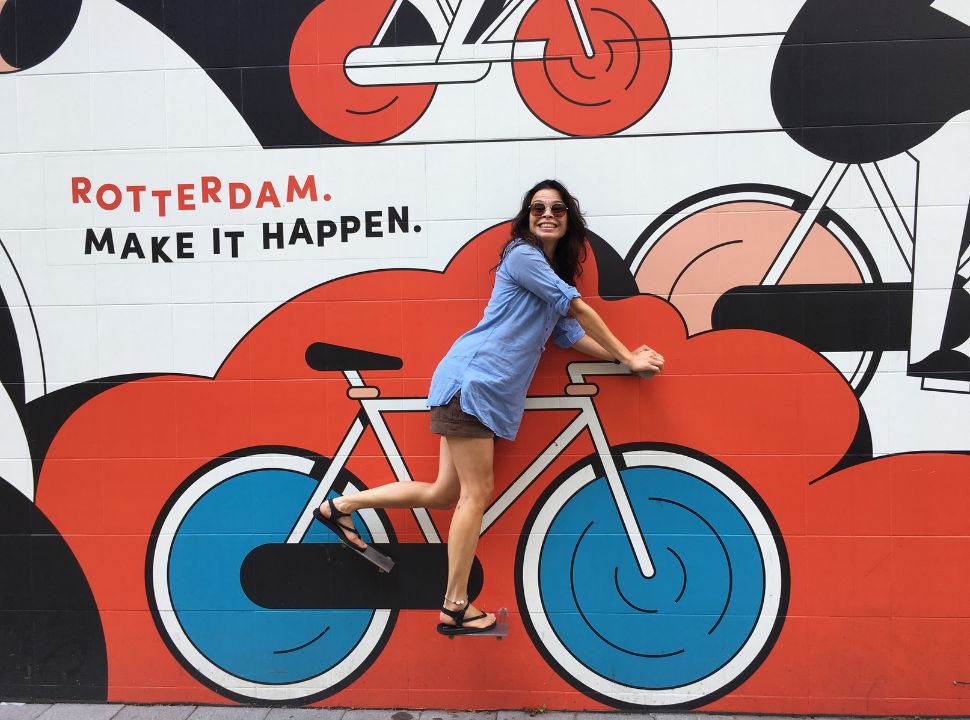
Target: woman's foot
<point>470,612</point>
<point>344,521</point>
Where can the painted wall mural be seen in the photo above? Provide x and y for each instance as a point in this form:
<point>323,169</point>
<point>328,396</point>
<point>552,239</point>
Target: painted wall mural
<point>237,237</point>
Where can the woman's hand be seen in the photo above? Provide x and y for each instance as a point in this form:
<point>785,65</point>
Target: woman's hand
<point>645,361</point>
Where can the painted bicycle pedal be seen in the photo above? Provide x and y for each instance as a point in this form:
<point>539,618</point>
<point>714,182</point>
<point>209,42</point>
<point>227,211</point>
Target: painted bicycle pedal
<point>329,575</point>
<point>382,561</point>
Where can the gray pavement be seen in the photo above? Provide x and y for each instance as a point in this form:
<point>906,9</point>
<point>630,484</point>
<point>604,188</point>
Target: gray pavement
<point>74,711</point>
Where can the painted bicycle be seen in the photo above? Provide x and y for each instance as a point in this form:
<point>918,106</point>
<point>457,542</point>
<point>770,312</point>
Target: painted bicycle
<point>772,258</point>
<point>648,575</point>
<point>366,72</point>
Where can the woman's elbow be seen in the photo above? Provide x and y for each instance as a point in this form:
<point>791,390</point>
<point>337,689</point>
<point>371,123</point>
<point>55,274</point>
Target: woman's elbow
<point>578,309</point>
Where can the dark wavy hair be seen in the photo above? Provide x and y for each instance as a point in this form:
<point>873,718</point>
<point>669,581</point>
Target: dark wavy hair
<point>570,253</point>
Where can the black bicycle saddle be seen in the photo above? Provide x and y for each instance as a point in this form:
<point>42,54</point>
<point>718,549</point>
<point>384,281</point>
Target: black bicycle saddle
<point>859,81</point>
<point>326,357</point>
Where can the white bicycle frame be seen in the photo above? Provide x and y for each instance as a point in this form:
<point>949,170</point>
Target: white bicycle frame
<point>453,59</point>
<point>904,237</point>
<point>579,398</point>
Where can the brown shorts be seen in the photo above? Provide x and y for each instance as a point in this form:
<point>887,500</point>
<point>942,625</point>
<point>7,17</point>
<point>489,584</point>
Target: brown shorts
<point>451,420</point>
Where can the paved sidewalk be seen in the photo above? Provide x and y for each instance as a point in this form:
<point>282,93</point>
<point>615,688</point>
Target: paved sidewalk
<point>71,711</point>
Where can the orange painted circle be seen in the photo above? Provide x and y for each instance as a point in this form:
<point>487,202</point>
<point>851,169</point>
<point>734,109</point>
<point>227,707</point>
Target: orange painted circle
<point>603,94</point>
<point>334,103</point>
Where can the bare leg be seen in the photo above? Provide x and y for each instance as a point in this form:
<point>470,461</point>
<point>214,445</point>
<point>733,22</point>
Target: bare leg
<point>473,460</point>
<point>442,493</point>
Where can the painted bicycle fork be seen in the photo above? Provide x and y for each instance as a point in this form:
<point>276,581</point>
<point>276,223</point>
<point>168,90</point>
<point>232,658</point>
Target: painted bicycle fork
<point>578,397</point>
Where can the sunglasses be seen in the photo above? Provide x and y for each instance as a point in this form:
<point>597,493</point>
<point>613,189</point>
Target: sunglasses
<point>538,209</point>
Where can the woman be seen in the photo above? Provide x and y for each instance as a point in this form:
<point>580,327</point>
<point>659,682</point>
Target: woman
<point>478,390</point>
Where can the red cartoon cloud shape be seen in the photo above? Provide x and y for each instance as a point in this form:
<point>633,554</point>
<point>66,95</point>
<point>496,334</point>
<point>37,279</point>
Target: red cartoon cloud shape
<point>776,413</point>
<point>878,622</point>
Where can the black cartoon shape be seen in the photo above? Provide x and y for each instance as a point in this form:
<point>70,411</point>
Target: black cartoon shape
<point>857,81</point>
<point>245,45</point>
<point>835,318</point>
<point>44,416</point>
<point>32,30</point>
<point>11,363</point>
<point>616,282</point>
<point>51,640</point>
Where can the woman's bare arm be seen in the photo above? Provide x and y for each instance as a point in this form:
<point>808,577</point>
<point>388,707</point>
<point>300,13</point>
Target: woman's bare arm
<point>603,344</point>
<point>588,346</point>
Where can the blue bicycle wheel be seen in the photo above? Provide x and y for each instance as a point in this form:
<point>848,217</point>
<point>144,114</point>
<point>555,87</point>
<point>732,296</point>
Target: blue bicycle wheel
<point>687,634</point>
<point>234,645</point>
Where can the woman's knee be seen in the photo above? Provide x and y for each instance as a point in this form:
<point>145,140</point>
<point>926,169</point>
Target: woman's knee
<point>479,492</point>
<point>443,496</point>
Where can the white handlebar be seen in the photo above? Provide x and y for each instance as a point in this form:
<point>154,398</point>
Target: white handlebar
<point>577,370</point>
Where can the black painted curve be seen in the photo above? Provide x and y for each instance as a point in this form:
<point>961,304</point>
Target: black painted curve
<point>616,282</point>
<point>51,639</point>
<point>32,30</point>
<point>858,81</point>
<point>11,361</point>
<point>44,416</point>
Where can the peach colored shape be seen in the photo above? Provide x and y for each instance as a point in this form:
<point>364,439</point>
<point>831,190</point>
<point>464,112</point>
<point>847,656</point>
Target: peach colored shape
<point>714,250</point>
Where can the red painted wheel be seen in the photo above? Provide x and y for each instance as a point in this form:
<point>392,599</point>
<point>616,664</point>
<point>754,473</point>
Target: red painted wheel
<point>334,103</point>
<point>602,94</point>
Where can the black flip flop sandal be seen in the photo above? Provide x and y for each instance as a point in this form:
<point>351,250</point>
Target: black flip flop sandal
<point>459,617</point>
<point>341,531</point>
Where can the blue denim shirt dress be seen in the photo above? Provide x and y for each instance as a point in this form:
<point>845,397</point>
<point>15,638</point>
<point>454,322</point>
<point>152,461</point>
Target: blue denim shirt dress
<point>493,363</point>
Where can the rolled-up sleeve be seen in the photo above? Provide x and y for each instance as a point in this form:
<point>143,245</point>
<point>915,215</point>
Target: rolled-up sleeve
<point>529,268</point>
<point>567,332</point>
